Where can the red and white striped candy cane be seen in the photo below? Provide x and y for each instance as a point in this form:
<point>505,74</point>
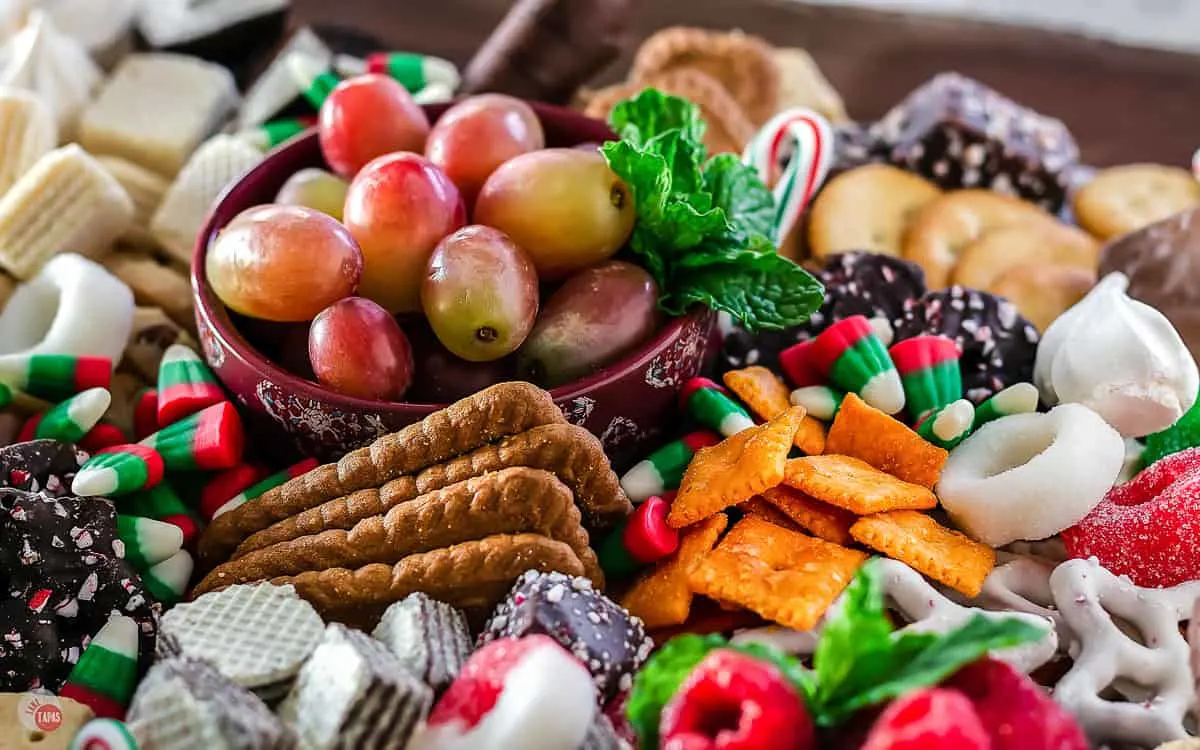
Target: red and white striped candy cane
<point>795,182</point>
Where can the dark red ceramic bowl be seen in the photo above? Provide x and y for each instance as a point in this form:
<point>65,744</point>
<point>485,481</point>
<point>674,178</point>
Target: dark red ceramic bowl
<point>628,405</point>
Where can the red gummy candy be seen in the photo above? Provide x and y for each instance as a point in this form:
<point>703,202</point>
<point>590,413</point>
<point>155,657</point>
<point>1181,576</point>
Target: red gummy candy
<point>1147,528</point>
<point>1014,711</point>
<point>929,719</point>
<point>732,701</point>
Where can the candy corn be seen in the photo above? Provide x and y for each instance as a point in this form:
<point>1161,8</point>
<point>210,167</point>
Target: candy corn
<point>160,503</point>
<point>70,420</point>
<point>54,376</point>
<point>228,484</point>
<point>167,581</point>
<point>711,406</point>
<point>644,538</point>
<point>413,72</point>
<point>211,439</point>
<point>847,355</point>
<point>119,470</point>
<point>819,401</point>
<point>106,674</point>
<point>1018,398</point>
<point>103,734</point>
<point>185,385</point>
<point>145,413</point>
<point>102,436</point>
<point>269,135</point>
<point>928,367</point>
<point>315,81</point>
<point>147,542</point>
<point>950,425</point>
<point>663,469</point>
<point>269,483</point>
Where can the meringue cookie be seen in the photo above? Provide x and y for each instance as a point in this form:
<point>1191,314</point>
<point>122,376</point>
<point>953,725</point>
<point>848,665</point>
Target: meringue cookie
<point>1119,357</point>
<point>1029,476</point>
<point>53,65</point>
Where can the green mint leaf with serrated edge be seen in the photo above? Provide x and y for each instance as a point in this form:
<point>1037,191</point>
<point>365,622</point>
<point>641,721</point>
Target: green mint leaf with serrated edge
<point>860,626</point>
<point>665,672</point>
<point>716,216</point>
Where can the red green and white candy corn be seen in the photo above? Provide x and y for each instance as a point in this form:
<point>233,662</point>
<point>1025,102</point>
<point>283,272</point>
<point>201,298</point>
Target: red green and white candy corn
<point>102,436</point>
<point>145,413</point>
<point>119,470</point>
<point>712,407</point>
<point>161,503</point>
<point>819,401</point>
<point>315,80</point>
<point>106,674</point>
<point>847,355</point>
<point>185,385</point>
<point>948,426</point>
<point>792,153</point>
<point>642,539</point>
<point>928,367</point>
<point>227,485</point>
<point>211,440</point>
<point>270,134</point>
<point>70,420</point>
<point>269,483</point>
<point>663,469</point>
<point>167,580</point>
<point>1018,398</point>
<point>414,72</point>
<point>147,542</point>
<point>54,376</point>
<point>104,734</point>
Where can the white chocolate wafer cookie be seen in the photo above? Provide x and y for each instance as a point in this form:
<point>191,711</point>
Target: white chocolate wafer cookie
<point>156,109</point>
<point>255,635</point>
<point>27,132</point>
<point>42,59</point>
<point>146,189</point>
<point>1151,673</point>
<point>66,202</point>
<point>180,216</point>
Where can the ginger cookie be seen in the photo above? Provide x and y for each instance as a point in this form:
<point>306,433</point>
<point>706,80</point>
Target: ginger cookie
<point>867,208</point>
<point>1043,291</point>
<point>741,63</point>
<point>729,129</point>
<point>989,257</point>
<point>1124,199</point>
<point>942,229</point>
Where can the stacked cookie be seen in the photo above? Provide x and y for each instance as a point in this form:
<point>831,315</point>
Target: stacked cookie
<point>457,506</point>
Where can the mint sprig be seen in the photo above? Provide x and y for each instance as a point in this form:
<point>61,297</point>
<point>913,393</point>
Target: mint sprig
<point>705,228</point>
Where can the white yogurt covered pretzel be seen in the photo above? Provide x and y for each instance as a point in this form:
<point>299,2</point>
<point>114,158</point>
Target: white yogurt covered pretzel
<point>1020,583</point>
<point>1152,675</point>
<point>926,610</point>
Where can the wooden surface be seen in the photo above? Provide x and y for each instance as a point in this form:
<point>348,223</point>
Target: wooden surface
<point>1122,104</point>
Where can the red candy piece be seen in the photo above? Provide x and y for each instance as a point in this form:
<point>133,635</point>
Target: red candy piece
<point>798,365</point>
<point>647,536</point>
<point>929,719</point>
<point>1147,528</point>
<point>1015,712</point>
<point>103,436</point>
<point>145,414</point>
<point>732,701</point>
<point>228,484</point>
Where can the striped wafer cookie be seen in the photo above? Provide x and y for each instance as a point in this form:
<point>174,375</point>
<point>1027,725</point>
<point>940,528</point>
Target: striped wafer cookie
<point>146,189</point>
<point>27,132</point>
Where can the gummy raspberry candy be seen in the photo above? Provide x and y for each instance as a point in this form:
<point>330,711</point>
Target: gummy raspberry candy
<point>732,701</point>
<point>1147,528</point>
<point>514,692</point>
<point>1014,711</point>
<point>929,719</point>
<point>1178,437</point>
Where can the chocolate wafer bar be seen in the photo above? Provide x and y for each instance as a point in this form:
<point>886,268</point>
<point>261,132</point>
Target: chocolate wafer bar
<point>510,501</point>
<point>499,411</point>
<point>430,638</point>
<point>568,451</point>
<point>472,575</point>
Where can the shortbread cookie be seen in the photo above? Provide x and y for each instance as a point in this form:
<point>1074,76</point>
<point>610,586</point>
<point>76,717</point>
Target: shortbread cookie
<point>992,255</point>
<point>155,284</point>
<point>1123,199</point>
<point>1042,292</point>
<point>868,208</point>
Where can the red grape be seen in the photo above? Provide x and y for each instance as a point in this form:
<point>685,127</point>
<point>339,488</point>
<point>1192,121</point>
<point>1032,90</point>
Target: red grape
<point>366,117</point>
<point>357,349</point>
<point>283,263</point>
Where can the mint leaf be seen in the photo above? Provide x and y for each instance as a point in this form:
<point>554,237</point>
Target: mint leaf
<point>660,679</point>
<point>766,292</point>
<point>651,113</point>
<point>737,188</point>
<point>860,627</point>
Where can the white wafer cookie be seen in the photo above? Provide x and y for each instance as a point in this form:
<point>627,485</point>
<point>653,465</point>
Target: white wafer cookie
<point>27,132</point>
<point>926,610</point>
<point>42,59</point>
<point>255,635</point>
<point>66,202</point>
<point>1152,674</point>
<point>180,216</point>
<point>145,188</point>
<point>156,109</point>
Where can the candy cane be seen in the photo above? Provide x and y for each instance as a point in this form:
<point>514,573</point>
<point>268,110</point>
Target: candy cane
<point>1196,164</point>
<point>795,183</point>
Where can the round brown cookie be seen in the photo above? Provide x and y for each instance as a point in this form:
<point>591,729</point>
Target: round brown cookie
<point>1043,291</point>
<point>867,208</point>
<point>744,65</point>
<point>992,255</point>
<point>729,129</point>
<point>1123,199</point>
<point>944,227</point>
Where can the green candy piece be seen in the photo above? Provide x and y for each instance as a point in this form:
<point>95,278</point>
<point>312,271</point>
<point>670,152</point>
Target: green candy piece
<point>1178,437</point>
